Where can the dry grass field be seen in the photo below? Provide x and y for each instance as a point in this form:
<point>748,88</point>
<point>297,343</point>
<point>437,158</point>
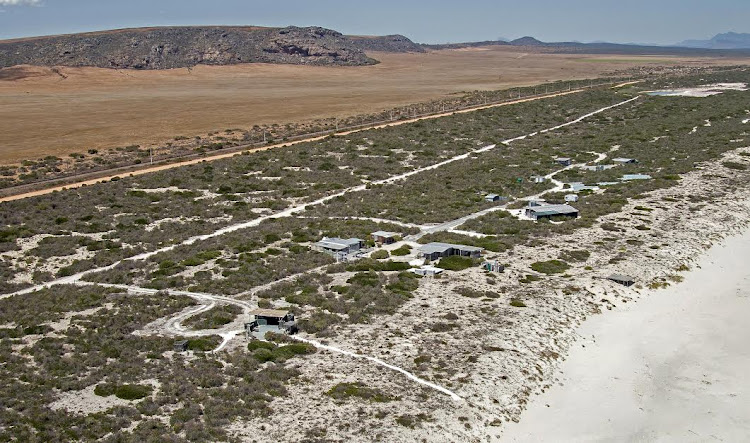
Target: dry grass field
<point>58,111</point>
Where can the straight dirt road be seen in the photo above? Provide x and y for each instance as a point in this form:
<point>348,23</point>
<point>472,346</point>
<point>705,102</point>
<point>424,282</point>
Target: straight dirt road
<point>234,152</point>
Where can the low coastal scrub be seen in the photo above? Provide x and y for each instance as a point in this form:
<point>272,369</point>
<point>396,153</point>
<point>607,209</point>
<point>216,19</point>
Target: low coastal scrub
<point>344,391</point>
<point>214,318</point>
<point>550,267</point>
<point>125,392</point>
<point>456,263</point>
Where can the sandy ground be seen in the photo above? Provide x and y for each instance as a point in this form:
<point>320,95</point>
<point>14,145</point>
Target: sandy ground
<point>672,367</point>
<point>75,109</point>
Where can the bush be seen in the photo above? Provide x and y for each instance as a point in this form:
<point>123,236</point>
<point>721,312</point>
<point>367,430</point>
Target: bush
<point>576,255</point>
<point>379,255</point>
<point>403,250</point>
<point>734,165</point>
<point>344,391</point>
<point>132,392</point>
<point>517,303</point>
<point>456,263</point>
<point>550,267</point>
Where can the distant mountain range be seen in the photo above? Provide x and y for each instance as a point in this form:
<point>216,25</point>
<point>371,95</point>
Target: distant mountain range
<point>729,40</point>
<point>186,46</point>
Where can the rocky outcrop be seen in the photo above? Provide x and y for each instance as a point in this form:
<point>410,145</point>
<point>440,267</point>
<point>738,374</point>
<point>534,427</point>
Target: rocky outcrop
<point>386,43</point>
<point>178,47</point>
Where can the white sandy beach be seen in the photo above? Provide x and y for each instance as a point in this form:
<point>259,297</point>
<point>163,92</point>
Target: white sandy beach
<point>673,367</point>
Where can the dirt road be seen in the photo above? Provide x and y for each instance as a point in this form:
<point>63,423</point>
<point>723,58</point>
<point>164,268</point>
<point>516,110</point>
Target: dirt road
<point>234,152</point>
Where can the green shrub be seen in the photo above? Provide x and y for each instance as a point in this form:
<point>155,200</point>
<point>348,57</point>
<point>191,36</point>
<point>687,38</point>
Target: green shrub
<point>259,344</point>
<point>379,255</point>
<point>550,267</point>
<point>104,389</point>
<point>734,165</point>
<point>575,255</point>
<point>456,263</point>
<point>132,392</point>
<point>403,250</point>
<point>344,391</point>
<point>517,303</point>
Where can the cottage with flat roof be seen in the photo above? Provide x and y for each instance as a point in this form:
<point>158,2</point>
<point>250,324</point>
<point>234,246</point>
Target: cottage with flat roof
<point>549,211</point>
<point>270,320</point>
<point>538,179</point>
<point>564,161</point>
<point>624,161</point>
<point>434,251</point>
<point>335,245</point>
<point>571,198</point>
<point>384,237</point>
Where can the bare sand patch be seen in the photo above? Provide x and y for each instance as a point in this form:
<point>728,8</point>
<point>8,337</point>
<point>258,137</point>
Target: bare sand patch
<point>670,368</point>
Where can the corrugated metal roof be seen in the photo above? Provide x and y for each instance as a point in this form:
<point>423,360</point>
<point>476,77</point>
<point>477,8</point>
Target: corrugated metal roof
<point>338,244</point>
<point>553,210</point>
<point>431,248</point>
<point>385,234</point>
<point>277,313</point>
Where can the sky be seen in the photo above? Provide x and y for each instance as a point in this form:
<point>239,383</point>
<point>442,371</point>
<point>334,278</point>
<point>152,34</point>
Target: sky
<point>436,21</point>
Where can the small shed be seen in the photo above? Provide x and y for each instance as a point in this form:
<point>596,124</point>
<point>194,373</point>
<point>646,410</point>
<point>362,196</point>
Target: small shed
<point>384,237</point>
<point>492,197</point>
<point>537,179</point>
<point>624,280</point>
<point>571,198</point>
<point>565,161</point>
<point>181,346</point>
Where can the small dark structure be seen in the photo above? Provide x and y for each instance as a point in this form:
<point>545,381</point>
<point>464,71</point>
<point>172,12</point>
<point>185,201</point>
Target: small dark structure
<point>384,237</point>
<point>624,280</point>
<point>434,251</point>
<point>274,320</point>
<point>494,198</point>
<point>624,161</point>
<point>564,161</point>
<point>549,211</point>
<point>181,346</point>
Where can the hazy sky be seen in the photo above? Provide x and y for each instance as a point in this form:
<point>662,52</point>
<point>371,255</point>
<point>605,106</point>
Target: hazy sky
<point>436,21</point>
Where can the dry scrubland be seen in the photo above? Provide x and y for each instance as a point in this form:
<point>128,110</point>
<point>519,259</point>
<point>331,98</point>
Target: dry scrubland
<point>57,112</point>
<point>493,339</point>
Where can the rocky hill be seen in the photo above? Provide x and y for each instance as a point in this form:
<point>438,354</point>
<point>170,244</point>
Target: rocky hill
<point>386,43</point>
<point>178,47</point>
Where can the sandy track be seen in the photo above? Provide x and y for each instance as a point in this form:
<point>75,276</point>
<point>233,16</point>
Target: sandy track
<point>299,208</point>
<point>250,148</point>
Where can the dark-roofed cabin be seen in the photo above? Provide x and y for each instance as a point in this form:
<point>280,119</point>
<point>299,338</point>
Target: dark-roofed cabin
<point>564,161</point>
<point>434,251</point>
<point>384,237</point>
<point>181,346</point>
<point>550,211</point>
<point>624,280</point>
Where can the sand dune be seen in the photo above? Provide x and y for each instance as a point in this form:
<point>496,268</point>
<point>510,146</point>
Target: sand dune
<point>671,368</point>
